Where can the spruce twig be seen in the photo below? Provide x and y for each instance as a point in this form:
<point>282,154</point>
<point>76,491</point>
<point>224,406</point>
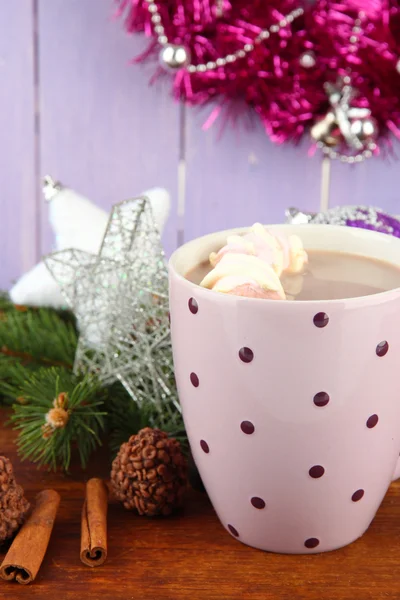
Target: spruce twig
<point>39,335</point>
<point>61,411</point>
<point>30,339</point>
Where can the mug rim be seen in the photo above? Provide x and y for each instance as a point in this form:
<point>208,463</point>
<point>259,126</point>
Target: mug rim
<point>361,232</point>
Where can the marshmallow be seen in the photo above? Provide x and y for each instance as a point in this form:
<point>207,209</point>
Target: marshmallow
<point>298,256</point>
<point>236,270</point>
<point>250,290</point>
<point>258,242</point>
<point>250,265</point>
<point>236,244</point>
<point>267,246</point>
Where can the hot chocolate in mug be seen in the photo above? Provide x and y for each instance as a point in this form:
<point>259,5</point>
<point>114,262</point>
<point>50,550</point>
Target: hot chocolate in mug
<point>292,408</point>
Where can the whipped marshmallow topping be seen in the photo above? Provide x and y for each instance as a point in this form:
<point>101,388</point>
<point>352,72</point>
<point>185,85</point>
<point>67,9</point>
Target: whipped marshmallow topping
<point>235,244</point>
<point>233,271</point>
<point>266,243</point>
<point>258,242</point>
<point>251,265</point>
<point>298,256</point>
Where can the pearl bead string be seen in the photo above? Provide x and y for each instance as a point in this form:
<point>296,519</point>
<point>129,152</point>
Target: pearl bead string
<point>344,158</point>
<point>229,58</point>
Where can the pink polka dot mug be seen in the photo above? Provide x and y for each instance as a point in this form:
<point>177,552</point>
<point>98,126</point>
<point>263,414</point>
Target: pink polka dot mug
<point>292,408</point>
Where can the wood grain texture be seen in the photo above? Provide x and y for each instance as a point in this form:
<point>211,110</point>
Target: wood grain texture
<point>18,231</point>
<point>104,131</point>
<point>191,556</point>
<point>242,178</point>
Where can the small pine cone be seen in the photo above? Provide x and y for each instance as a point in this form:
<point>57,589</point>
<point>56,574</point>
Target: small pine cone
<point>13,505</point>
<point>149,473</point>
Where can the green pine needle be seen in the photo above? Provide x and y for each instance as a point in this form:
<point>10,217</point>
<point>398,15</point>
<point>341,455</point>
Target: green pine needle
<point>46,445</point>
<point>30,339</point>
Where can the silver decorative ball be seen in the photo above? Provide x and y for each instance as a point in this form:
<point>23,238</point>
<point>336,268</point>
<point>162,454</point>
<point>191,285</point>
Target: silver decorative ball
<point>174,57</point>
<point>365,130</point>
<point>308,59</point>
<point>326,131</point>
<point>398,66</point>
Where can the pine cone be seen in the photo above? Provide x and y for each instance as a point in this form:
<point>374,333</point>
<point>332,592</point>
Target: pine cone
<point>13,505</point>
<point>149,473</point>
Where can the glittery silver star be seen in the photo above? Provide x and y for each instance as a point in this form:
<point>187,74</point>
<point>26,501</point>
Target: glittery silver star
<point>120,299</point>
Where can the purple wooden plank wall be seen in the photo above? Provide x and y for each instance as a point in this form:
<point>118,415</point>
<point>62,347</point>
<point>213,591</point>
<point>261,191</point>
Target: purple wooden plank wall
<point>242,178</point>
<point>18,227</point>
<point>374,182</point>
<point>102,130</point>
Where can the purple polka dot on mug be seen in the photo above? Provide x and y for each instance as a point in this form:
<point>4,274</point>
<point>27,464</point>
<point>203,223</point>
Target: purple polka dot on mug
<point>246,355</point>
<point>321,319</point>
<point>382,348</point>
<point>316,471</point>
<point>372,421</point>
<point>258,502</point>
<point>321,399</point>
<point>193,306</point>
<point>194,380</point>
<point>247,427</point>
<point>233,530</point>
<point>204,446</point>
<point>311,543</point>
<point>358,494</point>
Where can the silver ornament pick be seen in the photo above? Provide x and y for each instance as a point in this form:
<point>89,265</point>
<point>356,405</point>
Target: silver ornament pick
<point>345,124</point>
<point>340,98</point>
<point>120,299</point>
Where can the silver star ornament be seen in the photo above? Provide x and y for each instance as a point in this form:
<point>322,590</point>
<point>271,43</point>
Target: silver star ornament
<point>120,300</point>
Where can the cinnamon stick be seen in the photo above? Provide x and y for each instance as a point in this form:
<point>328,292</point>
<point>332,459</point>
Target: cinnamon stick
<point>23,560</point>
<point>94,524</point>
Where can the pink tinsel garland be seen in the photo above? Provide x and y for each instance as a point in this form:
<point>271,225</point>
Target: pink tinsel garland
<point>287,97</point>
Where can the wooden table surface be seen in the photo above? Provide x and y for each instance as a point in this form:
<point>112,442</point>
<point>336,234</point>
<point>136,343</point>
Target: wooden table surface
<point>190,556</point>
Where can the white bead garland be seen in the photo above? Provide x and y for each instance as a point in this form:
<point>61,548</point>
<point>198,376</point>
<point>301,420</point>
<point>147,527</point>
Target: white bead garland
<point>229,58</point>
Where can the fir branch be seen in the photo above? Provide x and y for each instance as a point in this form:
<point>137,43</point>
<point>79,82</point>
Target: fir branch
<point>31,339</point>
<point>61,411</point>
<point>38,335</point>
<point>25,358</point>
